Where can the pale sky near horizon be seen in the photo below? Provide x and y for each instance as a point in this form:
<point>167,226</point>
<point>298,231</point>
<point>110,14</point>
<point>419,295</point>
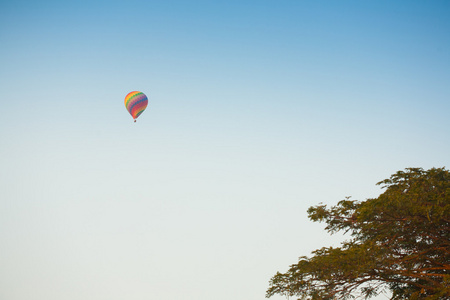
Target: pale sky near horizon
<point>257,111</point>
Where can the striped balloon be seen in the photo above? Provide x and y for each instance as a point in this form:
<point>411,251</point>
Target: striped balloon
<point>136,102</point>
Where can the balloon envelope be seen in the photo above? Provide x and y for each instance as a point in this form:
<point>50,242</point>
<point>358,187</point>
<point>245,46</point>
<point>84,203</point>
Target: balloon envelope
<point>136,102</point>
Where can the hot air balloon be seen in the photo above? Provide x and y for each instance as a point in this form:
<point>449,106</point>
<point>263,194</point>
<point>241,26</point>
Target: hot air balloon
<point>136,102</point>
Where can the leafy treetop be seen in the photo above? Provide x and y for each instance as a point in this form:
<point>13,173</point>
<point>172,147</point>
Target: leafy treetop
<point>399,241</point>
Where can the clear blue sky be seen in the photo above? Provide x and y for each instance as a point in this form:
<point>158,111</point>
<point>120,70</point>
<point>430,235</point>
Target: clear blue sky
<point>257,110</point>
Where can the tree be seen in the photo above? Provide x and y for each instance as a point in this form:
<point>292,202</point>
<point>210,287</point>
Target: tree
<point>399,241</point>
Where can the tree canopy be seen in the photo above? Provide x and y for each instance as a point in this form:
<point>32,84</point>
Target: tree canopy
<point>399,241</point>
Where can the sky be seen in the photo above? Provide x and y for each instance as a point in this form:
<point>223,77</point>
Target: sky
<point>257,111</point>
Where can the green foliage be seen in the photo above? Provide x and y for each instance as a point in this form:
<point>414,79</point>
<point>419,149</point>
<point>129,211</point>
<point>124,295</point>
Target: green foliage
<point>399,241</point>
